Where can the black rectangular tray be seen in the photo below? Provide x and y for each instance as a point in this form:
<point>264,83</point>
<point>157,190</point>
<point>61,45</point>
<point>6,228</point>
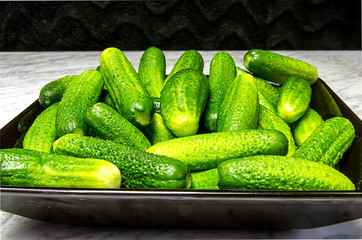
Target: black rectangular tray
<point>195,208</point>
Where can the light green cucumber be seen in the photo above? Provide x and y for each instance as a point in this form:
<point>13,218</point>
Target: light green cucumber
<point>280,173</point>
<point>183,100</point>
<point>206,151</point>
<point>207,179</point>
<point>107,123</point>
<point>328,142</point>
<point>278,68</point>
<point>221,75</point>
<point>157,131</point>
<point>240,107</point>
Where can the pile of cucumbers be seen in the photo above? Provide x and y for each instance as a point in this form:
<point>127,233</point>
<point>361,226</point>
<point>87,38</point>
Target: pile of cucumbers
<point>245,129</point>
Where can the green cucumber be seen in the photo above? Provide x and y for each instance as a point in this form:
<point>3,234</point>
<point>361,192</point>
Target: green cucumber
<point>206,151</point>
<point>139,169</point>
<point>27,120</point>
<point>263,101</point>
<point>183,100</point>
<point>107,123</point>
<point>125,87</point>
<point>305,126</point>
<point>240,107</point>
<point>278,68</point>
<point>280,173</point>
<point>53,91</point>
<point>221,75</point>
<point>189,59</point>
<point>156,131</point>
<point>42,133</point>
<point>270,120</point>
<point>294,98</point>
<point>207,179</point>
<point>106,98</point>
<point>328,142</point>
<point>152,71</point>
<point>30,168</point>
<point>82,93</point>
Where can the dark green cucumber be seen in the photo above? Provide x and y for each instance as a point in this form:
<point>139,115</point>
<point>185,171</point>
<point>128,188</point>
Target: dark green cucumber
<point>305,126</point>
<point>139,169</point>
<point>53,92</point>
<point>125,87</point>
<point>328,142</point>
<point>82,93</point>
<point>221,75</point>
<point>206,151</point>
<point>30,168</point>
<point>42,133</point>
<point>207,179</point>
<point>189,59</point>
<point>152,71</point>
<point>157,131</point>
<point>107,123</point>
<point>240,107</point>
<point>27,120</point>
<point>280,173</point>
<point>183,100</point>
<point>294,98</point>
<point>278,68</point>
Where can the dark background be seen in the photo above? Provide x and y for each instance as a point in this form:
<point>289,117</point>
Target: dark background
<point>181,24</point>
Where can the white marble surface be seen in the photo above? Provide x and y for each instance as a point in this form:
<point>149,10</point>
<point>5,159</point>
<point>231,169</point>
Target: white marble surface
<point>23,74</point>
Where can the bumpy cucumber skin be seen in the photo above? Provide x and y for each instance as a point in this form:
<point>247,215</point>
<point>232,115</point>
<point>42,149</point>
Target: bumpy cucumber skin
<point>222,73</point>
<point>328,142</point>
<point>206,151</point>
<point>305,126</point>
<point>42,133</point>
<point>189,59</point>
<point>107,123</point>
<point>139,169</point>
<point>53,91</point>
<point>183,100</point>
<point>157,131</point>
<point>125,87</point>
<point>240,107</point>
<point>270,120</point>
<point>207,179</point>
<point>152,71</point>
<point>280,173</point>
<point>294,98</point>
<point>278,68</point>
<point>82,93</point>
<point>23,167</point>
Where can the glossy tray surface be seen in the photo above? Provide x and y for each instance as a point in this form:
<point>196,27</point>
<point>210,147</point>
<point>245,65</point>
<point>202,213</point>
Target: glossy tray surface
<point>187,208</point>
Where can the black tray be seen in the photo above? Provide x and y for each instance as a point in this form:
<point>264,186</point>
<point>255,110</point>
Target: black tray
<point>191,208</point>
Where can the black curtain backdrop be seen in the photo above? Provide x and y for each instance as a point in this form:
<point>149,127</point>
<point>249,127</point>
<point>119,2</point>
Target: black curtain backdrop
<point>181,24</point>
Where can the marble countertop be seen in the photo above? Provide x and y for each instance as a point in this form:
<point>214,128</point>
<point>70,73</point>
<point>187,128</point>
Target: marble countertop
<point>23,74</point>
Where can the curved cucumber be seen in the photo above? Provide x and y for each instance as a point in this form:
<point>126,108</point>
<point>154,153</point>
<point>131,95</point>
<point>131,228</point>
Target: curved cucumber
<point>183,100</point>
<point>107,123</point>
<point>206,151</point>
<point>156,131</point>
<point>278,68</point>
<point>125,87</point>
<point>280,173</point>
<point>222,73</point>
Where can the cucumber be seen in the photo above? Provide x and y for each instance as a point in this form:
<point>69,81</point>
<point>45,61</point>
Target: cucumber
<point>107,123</point>
<point>189,59</point>
<point>206,151</point>
<point>270,120</point>
<point>139,169</point>
<point>27,120</point>
<point>280,173</point>
<point>106,98</point>
<point>305,126</point>
<point>328,142</point>
<point>82,93</point>
<point>30,168</point>
<point>263,101</point>
<point>129,95</point>
<point>152,71</point>
<point>207,179</point>
<point>183,100</point>
<point>157,131</point>
<point>294,98</point>
<point>221,75</point>
<point>240,107</point>
<point>42,133</point>
<point>278,68</point>
<point>53,91</point>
